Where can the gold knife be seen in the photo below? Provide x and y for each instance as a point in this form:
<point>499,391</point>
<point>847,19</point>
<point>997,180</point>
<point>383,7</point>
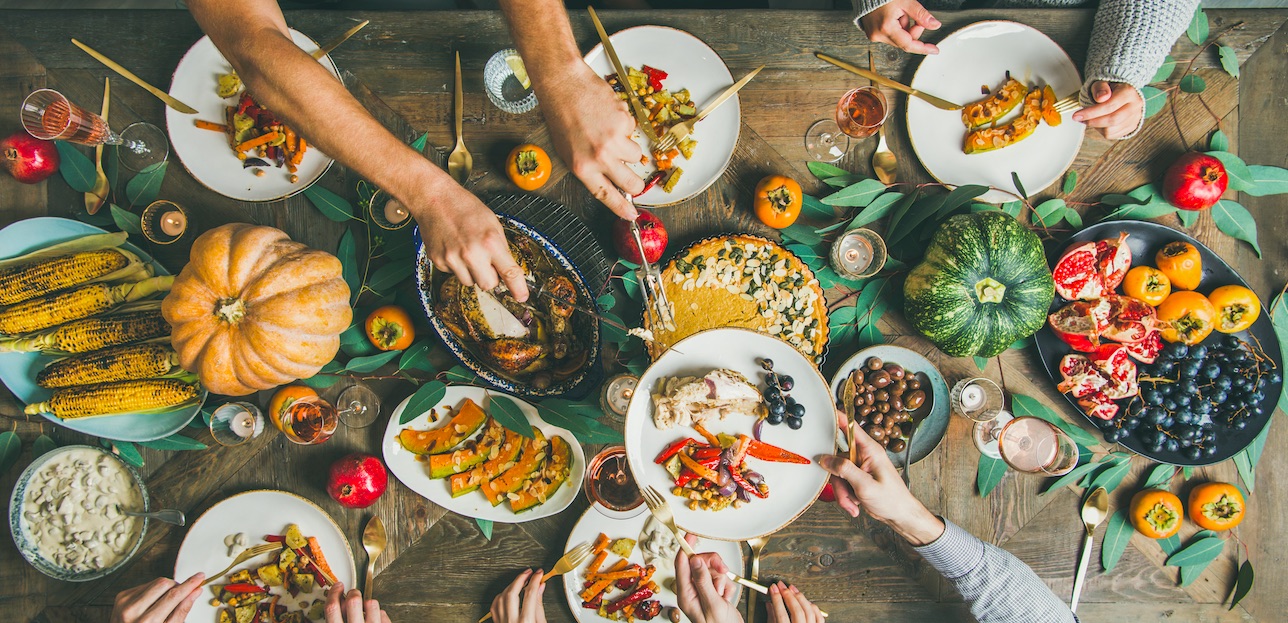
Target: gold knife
<point>637,109</point>
<point>128,75</point>
<point>335,43</point>
<point>886,82</point>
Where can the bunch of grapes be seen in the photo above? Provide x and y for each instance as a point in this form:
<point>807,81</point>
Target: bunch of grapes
<point>780,405</point>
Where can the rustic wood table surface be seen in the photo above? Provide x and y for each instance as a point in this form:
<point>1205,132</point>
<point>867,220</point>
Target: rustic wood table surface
<point>438,566</point>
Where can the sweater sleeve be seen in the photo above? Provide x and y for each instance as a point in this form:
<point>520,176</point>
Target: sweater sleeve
<point>998,587</point>
<point>863,7</point>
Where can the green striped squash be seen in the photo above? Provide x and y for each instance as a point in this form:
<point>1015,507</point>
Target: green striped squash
<point>983,285</point>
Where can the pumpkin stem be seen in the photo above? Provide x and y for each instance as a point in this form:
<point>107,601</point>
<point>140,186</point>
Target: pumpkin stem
<point>989,290</point>
<point>230,310</point>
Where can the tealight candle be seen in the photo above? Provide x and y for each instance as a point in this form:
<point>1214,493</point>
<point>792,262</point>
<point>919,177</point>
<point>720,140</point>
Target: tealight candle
<point>972,397</point>
<point>395,213</point>
<point>858,253</point>
<point>618,391</point>
<point>173,223</point>
<point>242,424</point>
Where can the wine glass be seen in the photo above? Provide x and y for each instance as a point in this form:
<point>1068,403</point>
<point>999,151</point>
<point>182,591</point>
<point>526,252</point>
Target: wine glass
<point>824,141</point>
<point>359,406</point>
<point>308,421</point>
<point>1035,446</point>
<point>48,115</point>
<point>859,114</point>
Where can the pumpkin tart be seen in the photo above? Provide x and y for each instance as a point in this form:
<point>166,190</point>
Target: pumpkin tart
<point>743,281</point>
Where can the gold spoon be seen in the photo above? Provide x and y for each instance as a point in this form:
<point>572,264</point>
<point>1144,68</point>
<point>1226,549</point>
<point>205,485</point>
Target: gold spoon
<point>1094,511</point>
<point>95,198</point>
<point>884,162</point>
<point>459,162</point>
<point>373,540</point>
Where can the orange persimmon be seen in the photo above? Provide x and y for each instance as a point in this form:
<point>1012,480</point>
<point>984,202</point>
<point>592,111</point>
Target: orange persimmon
<point>1181,262</point>
<point>1216,506</point>
<point>1148,284</point>
<point>1236,307</point>
<point>1156,513</point>
<point>528,166</point>
<point>1187,317</point>
<point>777,201</point>
<point>390,328</point>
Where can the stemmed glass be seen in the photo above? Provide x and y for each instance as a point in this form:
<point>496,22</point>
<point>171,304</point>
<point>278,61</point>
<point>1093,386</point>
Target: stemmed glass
<point>311,420</point>
<point>859,114</point>
<point>1035,446</point>
<point>49,115</point>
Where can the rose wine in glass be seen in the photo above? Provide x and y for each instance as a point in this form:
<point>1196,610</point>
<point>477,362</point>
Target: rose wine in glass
<point>861,112</point>
<point>1035,446</point>
<point>309,421</point>
<point>48,115</point>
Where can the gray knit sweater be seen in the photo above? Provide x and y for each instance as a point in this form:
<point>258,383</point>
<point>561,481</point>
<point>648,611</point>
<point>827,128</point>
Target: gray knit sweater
<point>1128,42</point>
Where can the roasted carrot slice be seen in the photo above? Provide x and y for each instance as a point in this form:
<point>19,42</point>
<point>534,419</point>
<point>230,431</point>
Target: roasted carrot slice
<point>263,139</point>
<point>210,125</point>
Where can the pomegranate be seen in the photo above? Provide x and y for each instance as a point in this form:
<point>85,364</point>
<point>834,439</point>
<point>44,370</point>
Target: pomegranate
<point>1130,320</point>
<point>1080,377</point>
<point>1147,350</point>
<point>27,158</point>
<point>1195,181</point>
<point>1099,406</point>
<point>357,480</point>
<point>1080,323</point>
<point>1114,361</point>
<point>828,494</point>
<point>652,234</point>
<point>1091,270</point>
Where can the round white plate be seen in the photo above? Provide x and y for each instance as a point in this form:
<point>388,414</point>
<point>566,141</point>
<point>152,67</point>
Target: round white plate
<point>593,523</point>
<point>792,488</point>
<point>978,55</point>
<point>692,64</point>
<point>258,513</point>
<point>415,474</point>
<point>206,154</point>
<point>18,370</point>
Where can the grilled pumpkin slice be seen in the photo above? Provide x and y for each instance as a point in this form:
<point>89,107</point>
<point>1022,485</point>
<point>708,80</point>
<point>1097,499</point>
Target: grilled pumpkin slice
<point>999,136</point>
<point>503,457</point>
<point>530,462</point>
<point>994,107</point>
<point>467,421</point>
<point>470,455</point>
<point>552,476</point>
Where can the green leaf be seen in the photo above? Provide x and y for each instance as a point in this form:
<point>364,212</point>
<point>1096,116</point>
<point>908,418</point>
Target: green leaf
<point>1170,544</point>
<point>899,210</point>
<point>1165,70</point>
<point>508,414</point>
<point>801,233</point>
<point>417,356</point>
<point>1242,584</point>
<point>1118,200</point>
<point>1014,208</point>
<point>1071,478</point>
<point>331,205</point>
<point>1155,99</point>
<point>1112,476</point>
<point>77,169</point>
<point>813,208</point>
<point>1015,178</point>
<point>390,275</point>
<point>1198,28</point>
<point>870,335</point>
<point>1074,219</point>
<point>425,398</point>
<point>830,228</point>
<point>578,418</point>
<point>347,253</point>
<point>606,301</point>
<point>1198,552</point>
<point>631,284</point>
<point>956,198</point>
<point>460,374</point>
<point>1266,180</point>
<point>1117,536</point>
<point>1235,167</point>
<point>1188,218</point>
<point>841,181</point>
<point>1219,141</point>
<point>10,448</point>
<point>1193,83</point>
<point>354,342</point>
<point>143,188</point>
<point>126,220</point>
<point>1236,222</point>
<point>990,473</point>
<point>320,381</point>
<point>812,258</point>
<point>611,333</point>
<point>1187,472</point>
<point>875,210</point>
<point>419,144</point>
<point>1050,211</point>
<point>824,170</point>
<point>370,363</point>
<point>981,363</point>
<point>1246,460</point>
<point>1159,477</point>
<point>174,442</point>
<point>1070,181</point>
<point>858,194</point>
<point>126,451</point>
<point>41,445</point>
<point>1021,344</point>
<point>485,526</point>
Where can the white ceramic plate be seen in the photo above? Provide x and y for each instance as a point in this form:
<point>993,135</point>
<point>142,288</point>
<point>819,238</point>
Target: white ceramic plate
<point>18,370</point>
<point>415,474</point>
<point>690,64</point>
<point>257,513</point>
<point>593,523</point>
<point>206,154</point>
<point>981,54</point>
<point>792,488</point>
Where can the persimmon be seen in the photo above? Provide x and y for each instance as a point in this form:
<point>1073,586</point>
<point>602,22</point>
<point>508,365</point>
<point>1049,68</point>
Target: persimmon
<point>528,166</point>
<point>1156,513</point>
<point>778,201</point>
<point>1186,317</point>
<point>390,328</point>
<point>1216,506</point>
<point>1148,284</point>
<point>1181,262</point>
<point>1236,307</point>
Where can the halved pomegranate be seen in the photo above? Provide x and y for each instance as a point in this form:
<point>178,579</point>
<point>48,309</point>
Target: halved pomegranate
<point>1125,388</point>
<point>1147,350</point>
<point>1114,261</point>
<point>1130,320</point>
<point>1080,323</point>
<point>1099,405</point>
<point>1115,362</point>
<point>1081,378</point>
<point>1091,270</point>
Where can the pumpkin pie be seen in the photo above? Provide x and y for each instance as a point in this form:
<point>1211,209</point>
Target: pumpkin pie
<point>743,281</point>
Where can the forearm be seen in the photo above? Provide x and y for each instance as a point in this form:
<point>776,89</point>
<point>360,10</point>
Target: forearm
<point>998,587</point>
<point>1130,39</point>
<point>543,36</point>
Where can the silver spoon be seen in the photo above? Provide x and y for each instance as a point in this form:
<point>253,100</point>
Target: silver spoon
<point>172,516</point>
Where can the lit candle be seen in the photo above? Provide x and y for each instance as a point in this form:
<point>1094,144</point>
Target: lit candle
<point>617,394</point>
<point>395,213</point>
<point>852,254</point>
<point>173,223</point>
<point>242,424</point>
<point>972,397</point>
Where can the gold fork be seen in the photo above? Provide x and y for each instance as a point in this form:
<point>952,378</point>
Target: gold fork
<point>662,512</point>
<point>681,131</point>
<point>756,545</point>
<point>258,550</point>
<point>571,560</point>
<point>1068,104</point>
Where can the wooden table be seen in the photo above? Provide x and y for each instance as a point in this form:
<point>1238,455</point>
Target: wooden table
<point>439,567</point>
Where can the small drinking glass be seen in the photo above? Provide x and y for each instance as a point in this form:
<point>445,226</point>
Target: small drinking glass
<point>824,141</point>
<point>504,87</point>
<point>615,399</point>
<point>48,115</point>
<point>610,484</point>
<point>235,423</point>
<point>359,406</point>
<point>979,399</point>
<point>1035,446</point>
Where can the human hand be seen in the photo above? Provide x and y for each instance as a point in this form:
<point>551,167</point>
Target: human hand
<point>701,589</point>
<point>349,607</point>
<point>520,602</point>
<point>465,238</point>
<point>900,23</point>
<point>788,605</point>
<point>1117,110</point>
<point>874,485</point>
<point>160,601</point>
<point>593,136</point>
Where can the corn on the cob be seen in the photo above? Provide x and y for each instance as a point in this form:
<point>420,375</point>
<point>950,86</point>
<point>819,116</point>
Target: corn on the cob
<point>90,300</point>
<point>120,363</point>
<point>28,281</point>
<point>85,401</point>
<point>82,336</point>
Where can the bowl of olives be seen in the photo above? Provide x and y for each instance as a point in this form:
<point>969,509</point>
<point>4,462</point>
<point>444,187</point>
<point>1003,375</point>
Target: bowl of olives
<point>885,390</point>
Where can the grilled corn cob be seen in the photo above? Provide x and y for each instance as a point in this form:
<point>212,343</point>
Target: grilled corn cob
<point>28,281</point>
<point>120,363</point>
<point>82,336</point>
<point>90,300</point>
<point>83,401</point>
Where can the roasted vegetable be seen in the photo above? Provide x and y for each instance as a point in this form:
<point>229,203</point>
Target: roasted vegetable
<point>90,300</point>
<point>120,363</point>
<point>112,398</point>
<point>294,538</point>
<point>999,136</point>
<point>467,421</point>
<point>270,574</point>
<point>28,281</point>
<point>90,334</point>
<point>995,106</point>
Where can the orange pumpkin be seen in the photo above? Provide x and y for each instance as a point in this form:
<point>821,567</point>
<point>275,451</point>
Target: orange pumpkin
<point>253,310</point>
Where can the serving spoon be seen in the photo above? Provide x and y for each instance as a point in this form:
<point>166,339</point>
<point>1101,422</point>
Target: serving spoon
<point>459,162</point>
<point>916,417</point>
<point>884,163</point>
<point>373,540</point>
<point>1094,511</point>
<point>97,196</point>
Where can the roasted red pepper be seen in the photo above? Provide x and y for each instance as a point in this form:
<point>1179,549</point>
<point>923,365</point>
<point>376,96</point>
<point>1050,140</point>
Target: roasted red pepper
<point>702,455</point>
<point>633,598</point>
<point>275,538</point>
<point>686,476</point>
<point>672,450</point>
<point>655,77</point>
<point>750,488</point>
<point>650,182</point>
<point>774,454</point>
<point>701,469</point>
<point>245,588</point>
<point>706,434</point>
<point>595,603</point>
